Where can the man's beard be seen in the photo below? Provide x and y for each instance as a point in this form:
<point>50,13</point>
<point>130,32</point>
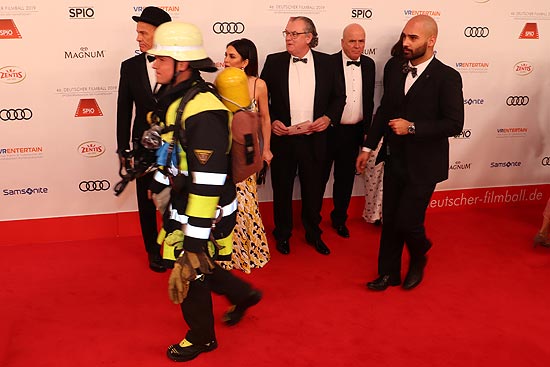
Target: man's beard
<point>413,55</point>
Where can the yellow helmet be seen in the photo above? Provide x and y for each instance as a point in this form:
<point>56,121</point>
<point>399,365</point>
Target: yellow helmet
<point>232,84</point>
<point>178,40</point>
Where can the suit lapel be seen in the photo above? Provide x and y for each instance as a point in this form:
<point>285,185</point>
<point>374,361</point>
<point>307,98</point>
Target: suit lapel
<point>422,78</point>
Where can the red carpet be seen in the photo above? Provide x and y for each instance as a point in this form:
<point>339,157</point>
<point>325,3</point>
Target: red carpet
<point>485,301</point>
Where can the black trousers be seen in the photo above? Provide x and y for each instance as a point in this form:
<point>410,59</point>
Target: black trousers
<point>297,155</point>
<point>344,142</point>
<point>197,307</point>
<point>404,211</point>
<point>147,214</point>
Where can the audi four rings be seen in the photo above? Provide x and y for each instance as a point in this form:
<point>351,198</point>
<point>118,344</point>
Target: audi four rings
<point>476,32</point>
<point>517,100</point>
<point>545,161</point>
<point>13,114</point>
<point>228,27</point>
<point>97,185</point>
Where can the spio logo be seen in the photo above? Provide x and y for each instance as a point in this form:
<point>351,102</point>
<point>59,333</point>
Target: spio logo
<point>12,74</point>
<point>464,134</point>
<point>523,68</point>
<point>545,161</point>
<point>15,114</point>
<point>91,149</point>
<point>228,27</point>
<point>88,107</point>
<point>97,185</point>
<point>8,29</point>
<point>361,13</point>
<point>81,13</point>
<point>476,32</point>
<point>517,101</point>
<point>530,31</point>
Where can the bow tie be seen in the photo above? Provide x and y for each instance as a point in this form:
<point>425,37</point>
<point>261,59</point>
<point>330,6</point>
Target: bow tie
<point>356,63</point>
<point>297,59</point>
<point>411,69</point>
<point>150,58</point>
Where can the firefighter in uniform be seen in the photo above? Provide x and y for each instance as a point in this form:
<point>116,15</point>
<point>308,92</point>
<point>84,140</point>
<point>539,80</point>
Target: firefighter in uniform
<point>200,210</point>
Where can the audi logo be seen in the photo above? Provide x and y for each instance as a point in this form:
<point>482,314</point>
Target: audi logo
<point>13,114</point>
<point>545,161</point>
<point>517,101</point>
<point>97,185</point>
<point>476,32</point>
<point>228,27</point>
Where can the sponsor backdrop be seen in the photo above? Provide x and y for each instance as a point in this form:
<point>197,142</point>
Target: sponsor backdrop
<point>59,70</point>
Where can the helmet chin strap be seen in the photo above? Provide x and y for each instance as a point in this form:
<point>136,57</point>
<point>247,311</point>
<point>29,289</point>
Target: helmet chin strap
<point>176,72</point>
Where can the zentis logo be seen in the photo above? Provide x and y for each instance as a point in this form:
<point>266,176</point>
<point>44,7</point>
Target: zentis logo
<point>530,31</point>
<point>91,149</point>
<point>12,74</point>
<point>88,107</point>
<point>8,29</point>
<point>523,68</point>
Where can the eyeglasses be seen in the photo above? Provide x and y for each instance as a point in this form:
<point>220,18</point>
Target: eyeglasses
<point>293,35</point>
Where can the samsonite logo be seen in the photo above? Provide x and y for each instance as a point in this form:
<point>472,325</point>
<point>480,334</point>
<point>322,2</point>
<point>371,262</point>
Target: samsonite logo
<point>12,74</point>
<point>523,68</point>
<point>88,107</point>
<point>91,149</point>
<point>8,29</point>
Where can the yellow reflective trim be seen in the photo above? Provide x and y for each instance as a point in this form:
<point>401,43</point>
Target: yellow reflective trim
<point>201,206</point>
<point>168,252</point>
<point>226,243</point>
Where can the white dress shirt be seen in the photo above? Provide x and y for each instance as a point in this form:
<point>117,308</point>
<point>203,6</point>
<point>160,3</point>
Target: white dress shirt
<point>301,89</point>
<point>353,111</point>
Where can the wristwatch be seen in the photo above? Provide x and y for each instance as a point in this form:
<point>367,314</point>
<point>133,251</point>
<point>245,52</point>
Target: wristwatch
<point>411,129</point>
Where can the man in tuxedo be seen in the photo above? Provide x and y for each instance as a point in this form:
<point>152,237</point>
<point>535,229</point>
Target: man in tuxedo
<point>346,137</point>
<point>421,108</point>
<point>306,95</point>
<point>137,88</point>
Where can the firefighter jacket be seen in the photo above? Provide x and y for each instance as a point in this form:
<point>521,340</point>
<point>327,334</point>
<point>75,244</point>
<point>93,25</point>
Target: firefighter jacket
<point>202,192</point>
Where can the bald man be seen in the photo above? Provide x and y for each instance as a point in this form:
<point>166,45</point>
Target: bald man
<point>421,108</point>
<point>346,136</point>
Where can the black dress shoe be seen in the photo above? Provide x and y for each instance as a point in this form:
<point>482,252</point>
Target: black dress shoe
<point>383,282</point>
<point>342,230</point>
<point>156,263</point>
<point>236,313</point>
<point>283,247</point>
<point>186,353</point>
<point>320,246</point>
<point>415,273</point>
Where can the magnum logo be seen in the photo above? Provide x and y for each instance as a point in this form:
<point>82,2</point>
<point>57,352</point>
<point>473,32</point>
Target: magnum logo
<point>530,31</point>
<point>88,108</point>
<point>8,30</point>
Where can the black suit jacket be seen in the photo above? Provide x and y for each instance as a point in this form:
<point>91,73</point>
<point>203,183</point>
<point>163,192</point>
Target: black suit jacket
<point>330,92</point>
<point>435,104</point>
<point>134,88</point>
<point>368,68</point>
